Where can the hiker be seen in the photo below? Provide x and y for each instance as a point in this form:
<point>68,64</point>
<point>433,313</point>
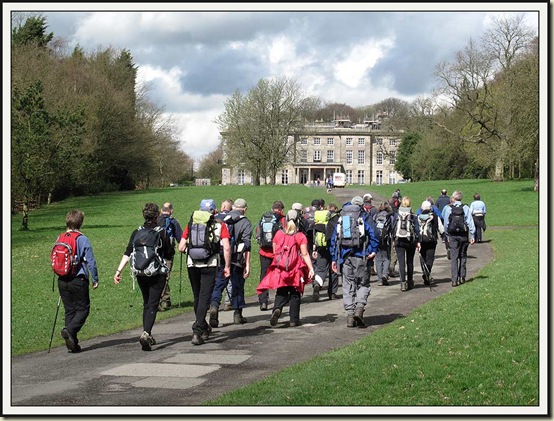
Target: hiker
<point>222,283</point>
<point>406,241</point>
<point>369,212</point>
<point>241,229</point>
<point>201,241</point>
<point>175,232</point>
<point>321,257</point>
<point>431,229</point>
<point>478,210</point>
<point>151,280</point>
<point>383,223</point>
<point>442,201</point>
<point>393,257</point>
<point>459,227</point>
<point>270,223</point>
<point>353,242</point>
<point>289,271</point>
<point>74,287</point>
<point>333,285</point>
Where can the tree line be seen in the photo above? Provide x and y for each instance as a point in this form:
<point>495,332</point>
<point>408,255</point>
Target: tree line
<point>80,125</point>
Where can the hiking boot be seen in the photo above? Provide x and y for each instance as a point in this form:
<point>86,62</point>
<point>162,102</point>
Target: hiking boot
<point>455,283</point>
<point>263,306</point>
<point>238,319</point>
<point>295,324</point>
<point>165,305</point>
<point>69,340</point>
<point>227,307</point>
<point>317,288</point>
<point>448,254</point>
<point>350,321</point>
<point>214,320</point>
<point>410,284</point>
<point>77,349</point>
<point>462,281</point>
<point>380,282</point>
<point>426,280</point>
<point>403,286</point>
<point>384,281</point>
<point>197,339</point>
<point>333,297</point>
<point>275,317</point>
<point>206,333</point>
<point>146,341</point>
<point>359,317</point>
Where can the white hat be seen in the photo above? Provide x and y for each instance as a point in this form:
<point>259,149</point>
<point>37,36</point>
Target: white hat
<point>292,215</point>
<point>368,197</point>
<point>357,200</point>
<point>426,205</point>
<point>297,206</point>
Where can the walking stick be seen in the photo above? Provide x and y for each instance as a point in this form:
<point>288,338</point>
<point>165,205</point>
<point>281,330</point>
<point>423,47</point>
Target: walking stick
<point>134,295</point>
<point>180,278</point>
<point>55,320</point>
<point>426,270</point>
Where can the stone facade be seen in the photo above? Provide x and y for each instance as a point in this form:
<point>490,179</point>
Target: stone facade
<point>364,152</point>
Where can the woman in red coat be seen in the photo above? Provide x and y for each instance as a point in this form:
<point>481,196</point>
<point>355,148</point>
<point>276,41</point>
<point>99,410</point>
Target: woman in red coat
<point>289,271</point>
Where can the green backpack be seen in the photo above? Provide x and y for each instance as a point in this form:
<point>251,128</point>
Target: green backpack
<point>321,217</point>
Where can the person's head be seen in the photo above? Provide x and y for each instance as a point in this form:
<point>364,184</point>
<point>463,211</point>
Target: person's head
<point>321,203</point>
<point>167,208</point>
<point>278,206</point>
<point>357,200</point>
<point>150,212</point>
<point>476,196</point>
<point>406,202</point>
<point>431,200</point>
<point>367,199</point>
<point>292,220</point>
<point>457,196</point>
<point>298,208</point>
<point>444,192</point>
<point>385,206</point>
<point>316,203</point>
<point>332,207</point>
<point>226,205</point>
<point>426,206</point>
<point>74,219</point>
<point>240,205</point>
<point>208,205</point>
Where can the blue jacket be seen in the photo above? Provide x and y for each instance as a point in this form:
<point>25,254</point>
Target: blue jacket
<point>87,262</point>
<point>339,256</point>
<point>477,207</point>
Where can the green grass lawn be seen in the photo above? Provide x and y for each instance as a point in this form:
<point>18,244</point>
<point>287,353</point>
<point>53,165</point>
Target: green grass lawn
<point>475,346</point>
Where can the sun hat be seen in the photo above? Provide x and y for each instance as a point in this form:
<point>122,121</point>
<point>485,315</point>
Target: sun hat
<point>297,206</point>
<point>357,200</point>
<point>240,203</point>
<point>426,205</point>
<point>368,197</point>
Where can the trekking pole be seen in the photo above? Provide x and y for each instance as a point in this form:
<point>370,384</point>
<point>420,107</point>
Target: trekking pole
<point>55,320</point>
<point>180,278</point>
<point>426,271</point>
<point>134,295</point>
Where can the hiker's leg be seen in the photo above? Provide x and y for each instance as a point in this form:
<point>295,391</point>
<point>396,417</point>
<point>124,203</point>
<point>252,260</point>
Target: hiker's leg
<point>349,285</point>
<point>455,244</point>
<point>410,253</point>
<point>263,297</point>
<point>207,282</point>
<point>363,288</point>
<point>463,258</point>
<point>294,305</point>
<point>220,283</point>
<point>237,280</point>
<point>194,278</point>
<point>401,256</point>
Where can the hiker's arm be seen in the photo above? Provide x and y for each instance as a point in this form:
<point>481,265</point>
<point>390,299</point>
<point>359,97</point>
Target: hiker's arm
<point>227,255</point>
<point>246,273</point>
<point>183,242</point>
<point>120,267</point>
<point>307,259</point>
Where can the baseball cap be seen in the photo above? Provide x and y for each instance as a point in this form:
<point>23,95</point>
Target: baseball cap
<point>292,215</point>
<point>367,197</point>
<point>297,206</point>
<point>240,203</point>
<point>207,205</point>
<point>357,200</point>
<point>426,205</point>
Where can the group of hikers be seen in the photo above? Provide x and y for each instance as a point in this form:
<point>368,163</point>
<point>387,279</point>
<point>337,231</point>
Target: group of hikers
<point>303,245</point>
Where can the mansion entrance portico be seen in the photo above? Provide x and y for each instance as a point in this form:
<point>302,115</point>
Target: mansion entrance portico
<point>310,172</point>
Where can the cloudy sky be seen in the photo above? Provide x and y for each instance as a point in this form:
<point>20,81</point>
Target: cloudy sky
<point>195,55</point>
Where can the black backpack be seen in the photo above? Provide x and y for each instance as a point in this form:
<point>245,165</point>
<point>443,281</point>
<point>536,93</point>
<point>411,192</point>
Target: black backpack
<point>145,260</point>
<point>382,227</point>
<point>201,243</point>
<point>237,252</point>
<point>457,221</point>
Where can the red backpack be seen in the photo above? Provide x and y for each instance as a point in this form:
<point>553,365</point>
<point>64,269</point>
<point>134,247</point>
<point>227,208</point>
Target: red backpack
<point>287,253</point>
<point>64,254</point>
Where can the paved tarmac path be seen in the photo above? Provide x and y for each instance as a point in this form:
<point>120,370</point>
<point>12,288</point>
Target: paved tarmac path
<point>114,376</point>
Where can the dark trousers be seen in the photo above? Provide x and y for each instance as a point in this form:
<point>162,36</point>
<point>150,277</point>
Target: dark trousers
<point>202,281</point>
<point>290,294</point>
<point>220,284</point>
<point>76,302</point>
<point>151,288</point>
<point>322,268</point>
<point>479,222</point>
<point>263,297</point>
<point>237,283</point>
<point>405,254</point>
<point>427,252</point>
<point>458,256</point>
<point>165,297</point>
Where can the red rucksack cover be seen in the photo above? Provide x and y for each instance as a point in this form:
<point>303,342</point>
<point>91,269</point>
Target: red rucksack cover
<point>64,253</point>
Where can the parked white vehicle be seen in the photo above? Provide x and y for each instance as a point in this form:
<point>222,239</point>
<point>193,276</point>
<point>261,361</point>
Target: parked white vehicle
<point>339,179</point>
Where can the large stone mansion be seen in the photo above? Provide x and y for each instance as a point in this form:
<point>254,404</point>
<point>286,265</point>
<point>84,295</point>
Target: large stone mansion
<point>364,152</point>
